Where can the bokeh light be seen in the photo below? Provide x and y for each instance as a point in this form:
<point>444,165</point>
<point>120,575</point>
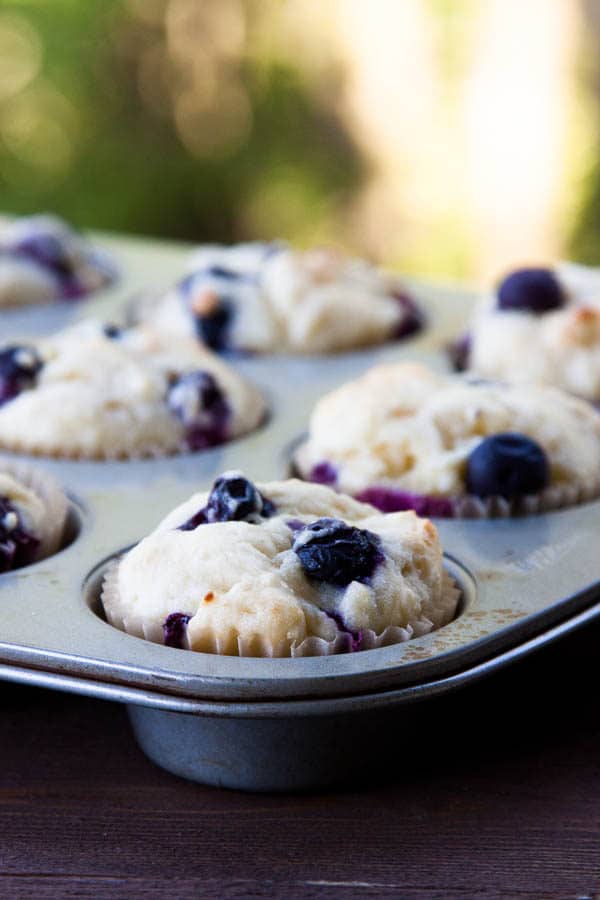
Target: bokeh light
<point>20,54</point>
<point>448,139</point>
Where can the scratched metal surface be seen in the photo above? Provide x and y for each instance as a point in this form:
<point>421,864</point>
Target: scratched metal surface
<point>519,577</point>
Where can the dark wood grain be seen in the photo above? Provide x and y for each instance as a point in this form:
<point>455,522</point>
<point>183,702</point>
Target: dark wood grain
<point>494,793</point>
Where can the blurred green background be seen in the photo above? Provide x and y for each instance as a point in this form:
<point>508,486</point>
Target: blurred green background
<point>447,138</point>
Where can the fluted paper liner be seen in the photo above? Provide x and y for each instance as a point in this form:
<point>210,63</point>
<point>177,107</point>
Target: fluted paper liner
<point>41,450</point>
<point>468,506</point>
<point>554,497</point>
<point>126,454</point>
<point>233,645</point>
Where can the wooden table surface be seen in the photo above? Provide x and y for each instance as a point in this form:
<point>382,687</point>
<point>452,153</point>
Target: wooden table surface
<point>495,794</point>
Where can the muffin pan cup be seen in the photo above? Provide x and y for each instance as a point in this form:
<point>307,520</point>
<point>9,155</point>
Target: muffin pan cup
<point>279,724</point>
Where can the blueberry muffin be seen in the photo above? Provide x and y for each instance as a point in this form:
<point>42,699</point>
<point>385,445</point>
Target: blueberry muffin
<point>540,326</point>
<point>267,298</point>
<point>101,392</point>
<point>402,436</point>
<point>315,572</point>
<point>42,259</point>
<point>33,512</point>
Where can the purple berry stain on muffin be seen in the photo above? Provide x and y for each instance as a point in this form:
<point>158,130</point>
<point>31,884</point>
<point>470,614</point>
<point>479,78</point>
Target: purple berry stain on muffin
<point>507,465</point>
<point>19,367</point>
<point>531,290</point>
<point>295,524</point>
<point>323,473</point>
<point>175,629</point>
<point>198,402</point>
<point>17,546</point>
<point>412,318</point>
<point>233,498</point>
<point>48,251</point>
<point>329,550</point>
<point>355,638</point>
<point>394,500</point>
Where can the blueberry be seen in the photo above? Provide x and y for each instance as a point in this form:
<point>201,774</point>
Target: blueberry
<point>19,366</point>
<point>198,518</point>
<point>332,551</point>
<point>174,629</point>
<point>198,402</point>
<point>212,327</point>
<point>232,499</point>
<point>220,272</point>
<point>48,251</point>
<point>212,311</point>
<point>507,465</point>
<point>196,279</point>
<point>17,546</point>
<point>412,318</point>
<point>531,290</point>
<point>235,499</point>
<point>111,331</point>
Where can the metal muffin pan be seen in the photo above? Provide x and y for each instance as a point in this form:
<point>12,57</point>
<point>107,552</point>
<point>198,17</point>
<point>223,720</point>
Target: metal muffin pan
<point>263,724</point>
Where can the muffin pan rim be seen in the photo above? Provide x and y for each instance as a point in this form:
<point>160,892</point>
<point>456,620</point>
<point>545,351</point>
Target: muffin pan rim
<point>284,707</point>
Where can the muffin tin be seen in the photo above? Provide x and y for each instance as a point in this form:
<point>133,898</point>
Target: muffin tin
<point>262,724</point>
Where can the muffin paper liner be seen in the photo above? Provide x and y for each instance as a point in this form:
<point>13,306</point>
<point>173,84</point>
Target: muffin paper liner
<point>233,645</point>
<point>470,507</point>
<point>54,500</point>
<point>151,452</point>
<point>52,452</point>
<point>393,634</point>
<point>95,274</point>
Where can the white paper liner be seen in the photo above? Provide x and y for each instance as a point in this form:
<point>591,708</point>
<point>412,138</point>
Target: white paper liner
<point>393,634</point>
<point>52,452</point>
<point>234,645</point>
<point>179,448</point>
<point>557,496</point>
<point>106,455</point>
<point>52,496</point>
